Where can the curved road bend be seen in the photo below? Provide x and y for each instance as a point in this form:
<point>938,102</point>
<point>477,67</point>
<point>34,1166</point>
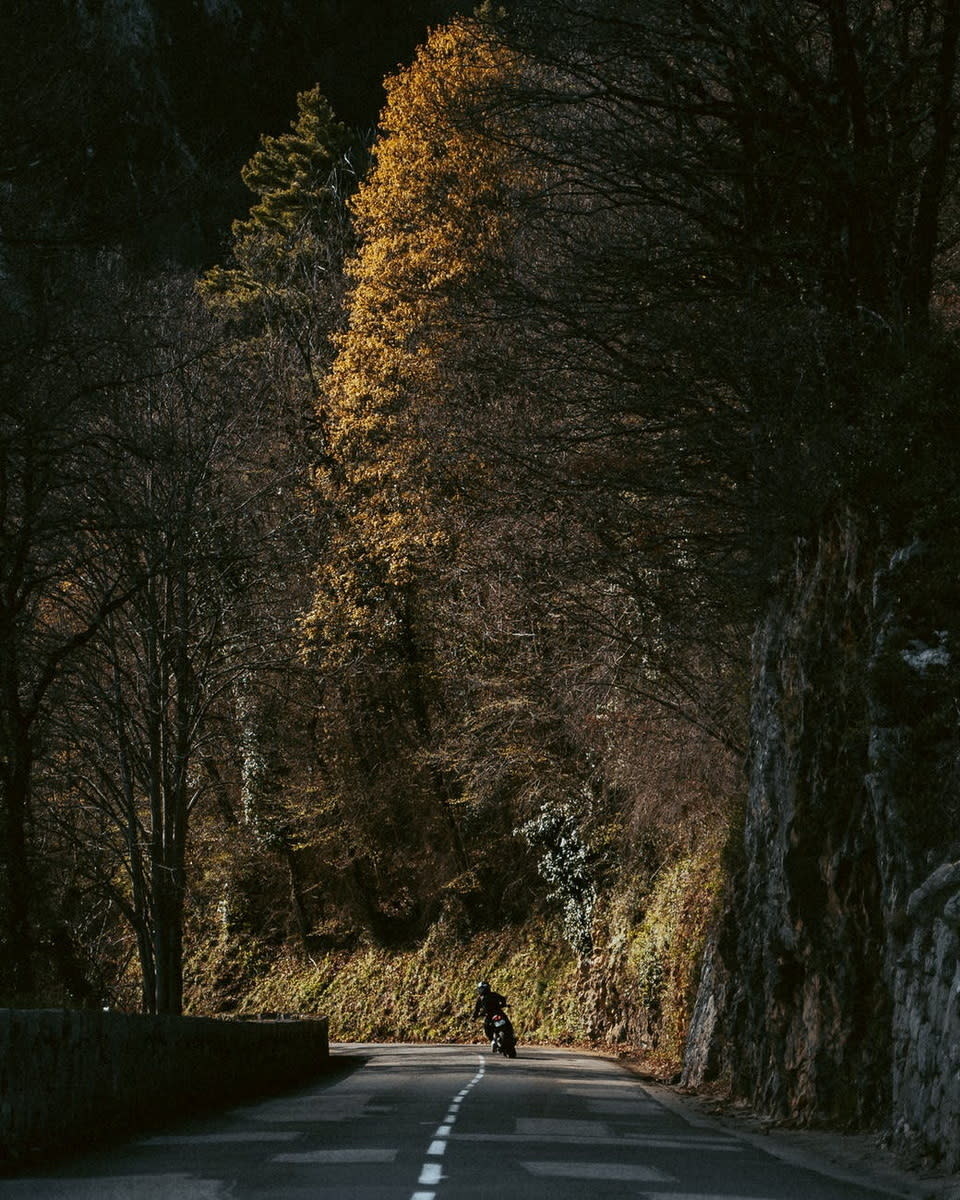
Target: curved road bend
<point>441,1123</point>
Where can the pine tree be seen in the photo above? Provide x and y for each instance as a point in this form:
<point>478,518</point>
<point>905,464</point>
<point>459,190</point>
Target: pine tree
<point>287,253</point>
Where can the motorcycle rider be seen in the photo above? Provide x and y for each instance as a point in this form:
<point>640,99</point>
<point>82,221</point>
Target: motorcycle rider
<point>488,1003</point>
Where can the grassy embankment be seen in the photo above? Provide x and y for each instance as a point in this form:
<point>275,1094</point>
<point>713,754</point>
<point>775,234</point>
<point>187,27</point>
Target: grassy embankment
<point>634,997</point>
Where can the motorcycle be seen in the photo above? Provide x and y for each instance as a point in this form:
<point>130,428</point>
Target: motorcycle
<point>504,1039</point>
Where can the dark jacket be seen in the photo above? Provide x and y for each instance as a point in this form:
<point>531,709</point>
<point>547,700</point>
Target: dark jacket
<point>488,1003</point>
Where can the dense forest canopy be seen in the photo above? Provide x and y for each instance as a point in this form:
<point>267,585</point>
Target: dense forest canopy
<point>401,571</point>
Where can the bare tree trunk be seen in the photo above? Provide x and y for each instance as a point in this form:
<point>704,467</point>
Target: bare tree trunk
<point>16,935</point>
<point>926,226</point>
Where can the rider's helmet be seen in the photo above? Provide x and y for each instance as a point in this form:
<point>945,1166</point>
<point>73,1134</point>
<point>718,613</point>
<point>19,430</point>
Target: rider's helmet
<point>483,987</point>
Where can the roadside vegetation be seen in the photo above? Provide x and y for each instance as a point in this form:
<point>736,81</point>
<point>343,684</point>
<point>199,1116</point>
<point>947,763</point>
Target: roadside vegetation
<point>379,605</point>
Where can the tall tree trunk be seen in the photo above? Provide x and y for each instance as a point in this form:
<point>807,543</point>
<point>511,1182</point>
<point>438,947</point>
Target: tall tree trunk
<point>420,708</point>
<point>298,902</point>
<point>16,937</point>
<point>926,228</point>
<point>168,892</point>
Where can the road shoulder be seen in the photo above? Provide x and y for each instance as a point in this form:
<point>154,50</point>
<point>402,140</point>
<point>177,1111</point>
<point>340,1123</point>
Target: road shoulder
<point>852,1158</point>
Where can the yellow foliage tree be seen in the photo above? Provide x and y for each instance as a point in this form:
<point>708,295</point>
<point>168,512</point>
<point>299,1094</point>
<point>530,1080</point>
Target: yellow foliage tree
<point>433,218</point>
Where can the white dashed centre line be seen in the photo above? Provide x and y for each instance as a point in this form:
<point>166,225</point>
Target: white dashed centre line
<point>431,1173</point>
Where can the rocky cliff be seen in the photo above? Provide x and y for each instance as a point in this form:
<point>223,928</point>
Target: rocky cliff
<point>830,994</point>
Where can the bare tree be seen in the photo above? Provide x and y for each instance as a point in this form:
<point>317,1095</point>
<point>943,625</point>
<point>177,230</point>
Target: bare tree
<point>56,448</point>
<point>166,687</point>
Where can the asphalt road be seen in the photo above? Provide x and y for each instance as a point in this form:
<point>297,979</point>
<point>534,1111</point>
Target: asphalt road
<point>442,1123</point>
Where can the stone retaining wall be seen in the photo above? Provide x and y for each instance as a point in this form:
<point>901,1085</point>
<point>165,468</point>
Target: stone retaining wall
<point>72,1078</point>
<point>926,1025</point>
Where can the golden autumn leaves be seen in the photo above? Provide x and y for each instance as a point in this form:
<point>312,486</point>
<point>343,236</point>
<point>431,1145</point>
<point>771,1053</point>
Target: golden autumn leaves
<point>429,223</point>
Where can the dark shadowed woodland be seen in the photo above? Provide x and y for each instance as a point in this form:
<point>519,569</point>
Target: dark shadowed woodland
<point>478,496</point>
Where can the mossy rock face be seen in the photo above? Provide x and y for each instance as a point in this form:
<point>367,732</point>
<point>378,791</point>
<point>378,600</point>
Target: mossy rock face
<point>644,989</point>
<point>913,684</point>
